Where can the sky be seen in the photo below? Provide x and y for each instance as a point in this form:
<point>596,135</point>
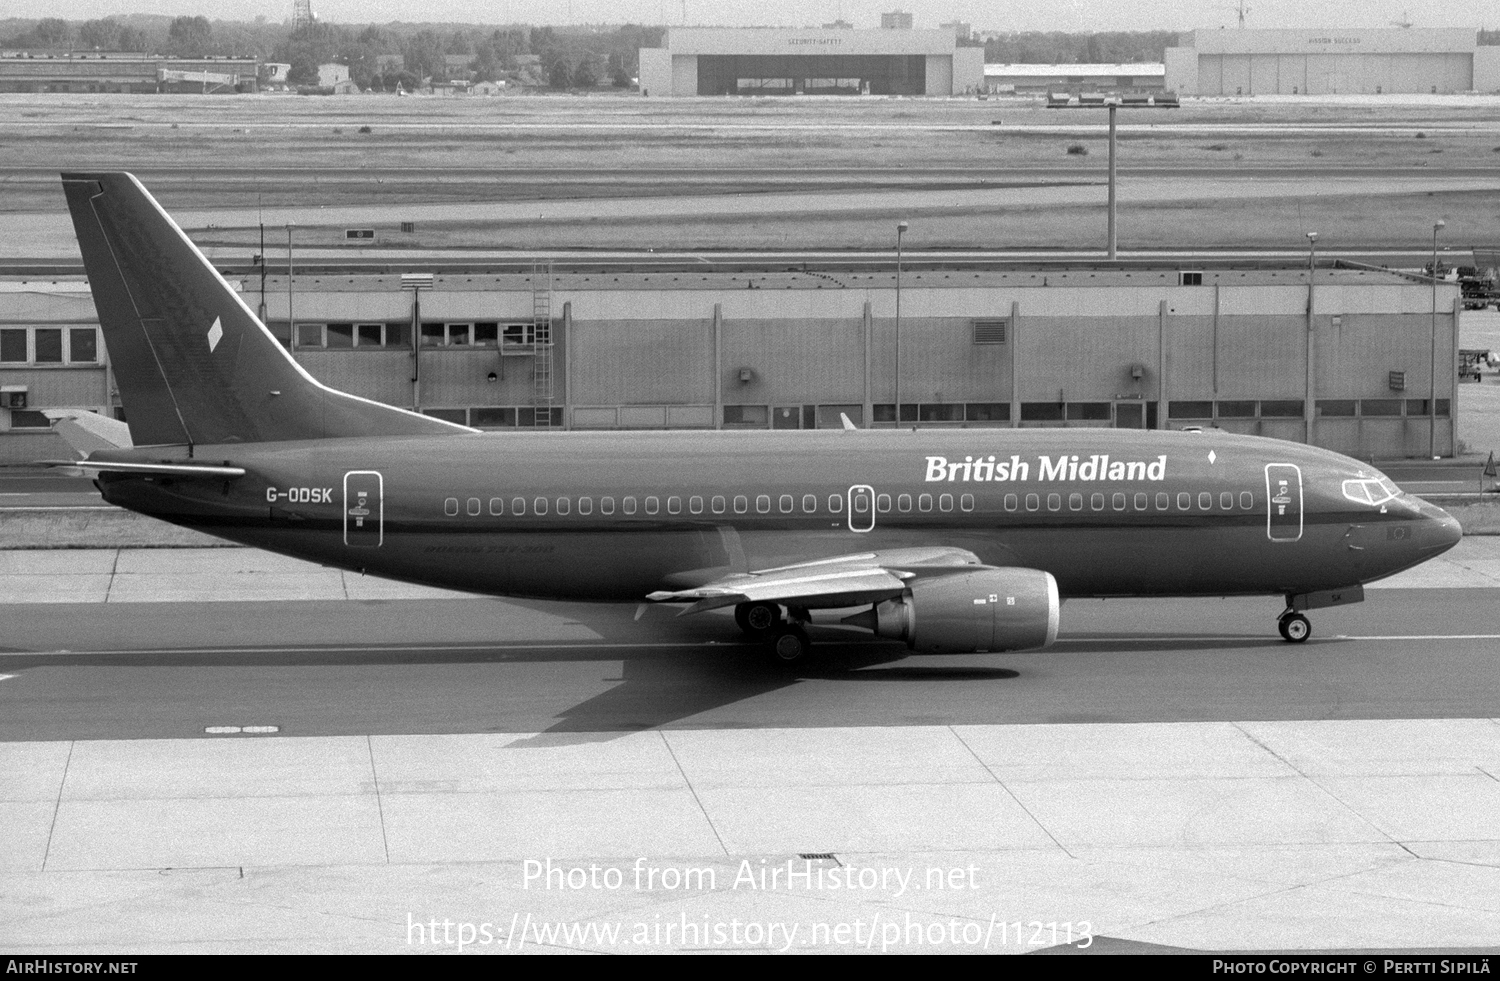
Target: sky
<point>1059,15</point>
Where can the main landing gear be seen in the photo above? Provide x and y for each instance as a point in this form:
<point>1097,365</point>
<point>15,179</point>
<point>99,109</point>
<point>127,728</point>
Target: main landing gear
<point>1294,627</point>
<point>788,643</point>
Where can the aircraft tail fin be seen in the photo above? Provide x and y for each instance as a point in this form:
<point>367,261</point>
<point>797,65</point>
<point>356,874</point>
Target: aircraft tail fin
<point>192,362</point>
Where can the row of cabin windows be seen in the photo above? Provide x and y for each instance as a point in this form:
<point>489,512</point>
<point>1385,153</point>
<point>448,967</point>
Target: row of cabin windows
<point>903,503</point>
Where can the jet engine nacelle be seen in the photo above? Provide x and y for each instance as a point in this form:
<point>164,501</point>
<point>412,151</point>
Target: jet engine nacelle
<point>983,610</point>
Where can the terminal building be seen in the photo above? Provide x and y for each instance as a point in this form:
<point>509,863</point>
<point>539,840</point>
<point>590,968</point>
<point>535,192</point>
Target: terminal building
<point>1038,79</point>
<point>1332,62</point>
<point>814,61</point>
<point>1040,346</point>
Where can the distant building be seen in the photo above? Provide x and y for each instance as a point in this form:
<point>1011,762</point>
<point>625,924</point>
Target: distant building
<point>811,61</point>
<point>1372,61</point>
<point>331,74</point>
<point>896,20</point>
<point>839,25</point>
<point>1143,77</point>
<point>487,88</point>
<point>122,71</point>
<point>274,73</point>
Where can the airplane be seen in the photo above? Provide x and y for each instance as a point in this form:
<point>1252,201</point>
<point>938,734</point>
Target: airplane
<point>953,541</point>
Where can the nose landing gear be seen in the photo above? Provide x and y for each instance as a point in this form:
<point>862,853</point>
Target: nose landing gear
<point>1294,627</point>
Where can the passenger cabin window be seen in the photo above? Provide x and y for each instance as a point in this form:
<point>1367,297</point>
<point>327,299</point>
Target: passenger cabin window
<point>1096,501</point>
<point>763,503</point>
<point>539,506</point>
<point>809,503</point>
<point>1011,502</point>
<point>653,505</point>
<point>787,503</point>
<point>966,502</point>
<point>945,502</point>
<point>497,505</point>
<point>1142,501</point>
<point>1054,502</point>
<point>564,505</point>
<point>450,506</point>
<point>882,503</point>
<point>1033,502</point>
<point>1163,501</point>
<point>1075,502</point>
<point>903,503</point>
<point>628,505</point>
<point>1205,501</point>
<point>585,505</point>
<point>717,504</point>
<point>1119,502</point>
<point>1247,500</point>
<point>741,504</point>
<point>695,504</point>
<point>518,505</point>
<point>475,506</point>
<point>606,505</point>
<point>835,503</point>
<point>674,505</point>
<point>1226,501</point>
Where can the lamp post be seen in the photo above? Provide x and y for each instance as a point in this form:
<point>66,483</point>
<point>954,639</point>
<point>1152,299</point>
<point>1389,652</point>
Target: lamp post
<point>1438,226</point>
<point>291,321</point>
<point>900,231</point>
<point>1309,406</point>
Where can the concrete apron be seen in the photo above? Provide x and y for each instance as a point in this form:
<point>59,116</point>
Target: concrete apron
<point>1007,839</point>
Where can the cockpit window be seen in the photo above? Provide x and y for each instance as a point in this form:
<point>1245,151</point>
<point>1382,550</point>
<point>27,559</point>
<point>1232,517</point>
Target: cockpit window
<point>1370,490</point>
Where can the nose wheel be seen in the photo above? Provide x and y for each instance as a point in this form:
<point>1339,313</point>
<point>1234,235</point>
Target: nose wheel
<point>1294,627</point>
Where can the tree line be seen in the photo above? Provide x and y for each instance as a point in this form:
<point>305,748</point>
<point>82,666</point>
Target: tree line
<point>565,57</point>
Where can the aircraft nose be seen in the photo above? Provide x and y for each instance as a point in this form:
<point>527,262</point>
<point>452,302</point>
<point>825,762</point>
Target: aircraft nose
<point>1440,530</point>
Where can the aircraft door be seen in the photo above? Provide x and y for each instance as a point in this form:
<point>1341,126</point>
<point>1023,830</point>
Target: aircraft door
<point>1283,502</point>
<point>861,507</point>
<point>364,509</point>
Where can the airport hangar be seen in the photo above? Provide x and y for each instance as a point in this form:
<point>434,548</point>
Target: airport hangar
<point>1379,61</point>
<point>826,61</point>
<point>1009,346</point>
<point>115,71</point>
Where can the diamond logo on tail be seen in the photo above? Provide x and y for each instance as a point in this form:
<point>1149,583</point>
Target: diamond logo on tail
<point>215,334</point>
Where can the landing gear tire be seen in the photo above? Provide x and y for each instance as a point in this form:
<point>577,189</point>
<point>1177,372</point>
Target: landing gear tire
<point>789,645</point>
<point>1294,627</point>
<point>758,619</point>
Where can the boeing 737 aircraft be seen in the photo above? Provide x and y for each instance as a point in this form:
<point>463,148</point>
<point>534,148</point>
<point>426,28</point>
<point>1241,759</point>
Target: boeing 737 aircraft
<point>950,540</point>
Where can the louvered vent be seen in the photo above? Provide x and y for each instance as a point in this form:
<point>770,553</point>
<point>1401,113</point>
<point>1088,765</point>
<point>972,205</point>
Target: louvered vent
<point>990,331</point>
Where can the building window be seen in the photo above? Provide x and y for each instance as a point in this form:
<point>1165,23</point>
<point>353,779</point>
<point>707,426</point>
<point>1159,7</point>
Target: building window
<point>340,335</point>
<point>1190,410</point>
<point>460,416</point>
<point>492,417</point>
<point>987,412</point>
<point>83,345</point>
<point>1335,407</point>
<point>1088,411</point>
<point>432,335</point>
<point>747,416</point>
<point>486,334</point>
<point>13,346</point>
<point>369,335</point>
<point>309,335</point>
<point>939,412</point>
<point>1239,409</point>
<point>1380,407</point>
<point>45,345</point>
<point>1281,409</point>
<point>1041,412</point>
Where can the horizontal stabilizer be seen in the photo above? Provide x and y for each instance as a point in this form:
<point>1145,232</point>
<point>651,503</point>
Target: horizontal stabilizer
<point>85,431</point>
<point>164,469</point>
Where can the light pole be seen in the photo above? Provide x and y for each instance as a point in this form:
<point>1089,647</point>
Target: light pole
<point>291,321</point>
<point>900,231</point>
<point>1438,226</point>
<point>1309,407</point>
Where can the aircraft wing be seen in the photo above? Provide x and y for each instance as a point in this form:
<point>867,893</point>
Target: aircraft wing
<point>845,580</point>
